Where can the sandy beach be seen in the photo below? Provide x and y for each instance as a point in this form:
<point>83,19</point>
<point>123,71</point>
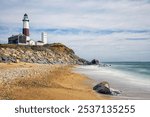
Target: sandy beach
<point>25,81</point>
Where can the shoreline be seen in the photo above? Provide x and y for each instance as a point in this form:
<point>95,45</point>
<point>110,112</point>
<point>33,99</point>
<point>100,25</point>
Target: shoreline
<point>26,81</point>
<point>130,88</point>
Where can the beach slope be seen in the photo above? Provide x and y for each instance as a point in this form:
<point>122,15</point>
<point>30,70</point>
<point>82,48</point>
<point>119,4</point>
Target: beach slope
<point>26,81</point>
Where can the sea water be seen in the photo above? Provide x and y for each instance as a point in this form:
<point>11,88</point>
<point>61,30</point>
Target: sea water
<point>137,71</point>
<point>132,78</point>
<point>136,68</point>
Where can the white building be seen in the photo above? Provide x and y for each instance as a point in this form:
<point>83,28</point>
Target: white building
<point>39,43</point>
<point>44,37</point>
<point>30,42</point>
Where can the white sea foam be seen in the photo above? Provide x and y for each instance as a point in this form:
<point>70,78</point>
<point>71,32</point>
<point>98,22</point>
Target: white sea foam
<point>121,75</point>
<point>131,85</point>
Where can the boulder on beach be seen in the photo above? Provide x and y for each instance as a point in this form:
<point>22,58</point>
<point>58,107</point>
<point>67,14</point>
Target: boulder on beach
<point>94,62</point>
<point>104,88</point>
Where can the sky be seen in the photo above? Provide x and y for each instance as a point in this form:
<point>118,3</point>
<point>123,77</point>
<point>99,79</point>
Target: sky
<point>108,30</point>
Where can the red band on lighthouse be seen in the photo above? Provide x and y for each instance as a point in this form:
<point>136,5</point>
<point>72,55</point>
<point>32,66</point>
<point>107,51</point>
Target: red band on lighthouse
<point>25,31</point>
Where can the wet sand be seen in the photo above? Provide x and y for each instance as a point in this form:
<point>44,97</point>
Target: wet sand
<point>25,81</point>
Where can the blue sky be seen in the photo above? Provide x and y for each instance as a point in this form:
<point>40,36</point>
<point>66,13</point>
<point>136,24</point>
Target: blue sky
<point>109,30</point>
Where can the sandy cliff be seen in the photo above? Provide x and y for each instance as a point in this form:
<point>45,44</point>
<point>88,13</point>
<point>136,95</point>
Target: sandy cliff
<point>56,53</point>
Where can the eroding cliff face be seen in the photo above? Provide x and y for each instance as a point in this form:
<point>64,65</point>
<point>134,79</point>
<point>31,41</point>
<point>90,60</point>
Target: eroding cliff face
<point>56,53</point>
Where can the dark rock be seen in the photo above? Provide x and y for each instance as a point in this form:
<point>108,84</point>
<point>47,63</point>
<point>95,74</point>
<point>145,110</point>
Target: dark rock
<point>8,59</point>
<point>12,59</point>
<point>24,60</point>
<point>104,88</point>
<point>82,61</point>
<point>34,60</point>
<point>94,62</point>
<point>4,58</point>
<point>42,61</point>
<point>104,65</point>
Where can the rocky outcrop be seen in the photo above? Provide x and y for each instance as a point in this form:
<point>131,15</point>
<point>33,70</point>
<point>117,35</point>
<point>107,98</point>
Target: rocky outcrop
<point>48,54</point>
<point>94,62</point>
<point>104,88</point>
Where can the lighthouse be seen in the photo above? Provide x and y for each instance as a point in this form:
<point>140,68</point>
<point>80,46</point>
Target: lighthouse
<point>25,30</point>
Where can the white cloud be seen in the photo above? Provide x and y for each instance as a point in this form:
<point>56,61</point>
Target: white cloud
<point>91,15</point>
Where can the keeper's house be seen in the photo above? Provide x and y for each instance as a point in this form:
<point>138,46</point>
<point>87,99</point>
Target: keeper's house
<point>17,39</point>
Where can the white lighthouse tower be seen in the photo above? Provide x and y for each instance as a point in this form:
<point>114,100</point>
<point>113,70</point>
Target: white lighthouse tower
<point>25,30</point>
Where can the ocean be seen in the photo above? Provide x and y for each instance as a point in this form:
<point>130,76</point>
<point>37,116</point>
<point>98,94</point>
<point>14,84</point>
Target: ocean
<point>136,68</point>
<point>139,71</point>
<point>132,78</point>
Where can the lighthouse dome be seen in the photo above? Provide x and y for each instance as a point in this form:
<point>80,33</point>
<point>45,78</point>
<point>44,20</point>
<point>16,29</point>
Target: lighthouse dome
<point>25,18</point>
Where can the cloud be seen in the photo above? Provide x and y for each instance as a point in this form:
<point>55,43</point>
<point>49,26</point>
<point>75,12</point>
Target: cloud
<point>112,29</point>
<point>135,39</point>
